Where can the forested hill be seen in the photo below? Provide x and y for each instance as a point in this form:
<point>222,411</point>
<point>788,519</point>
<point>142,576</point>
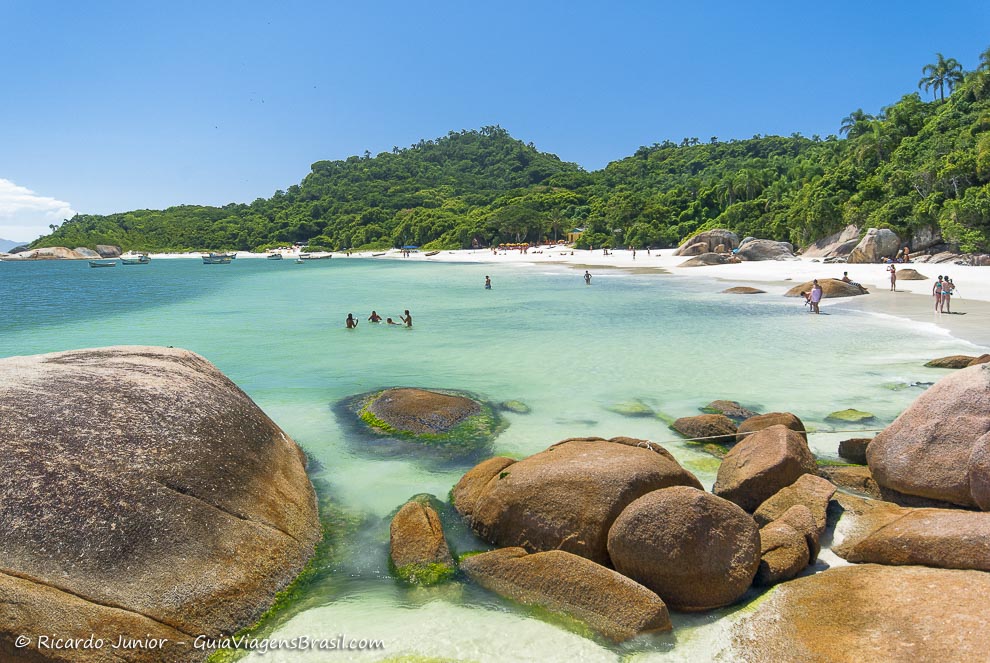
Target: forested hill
<point>916,164</point>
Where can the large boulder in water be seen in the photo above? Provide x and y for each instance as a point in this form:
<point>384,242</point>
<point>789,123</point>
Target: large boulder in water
<point>758,422</point>
<point>417,546</point>
<point>765,249</point>
<point>608,602</point>
<point>143,493</point>
<point>868,612</point>
<point>762,464</point>
<point>876,245</point>
<point>927,450</point>
<point>831,289</point>
<point>711,238</point>
<point>717,428</point>
<point>437,422</point>
<point>695,550</point>
<point>958,361</point>
<point>565,497</point>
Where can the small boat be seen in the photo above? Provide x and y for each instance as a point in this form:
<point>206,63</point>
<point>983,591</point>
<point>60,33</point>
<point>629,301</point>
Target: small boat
<point>375,255</point>
<point>217,259</point>
<point>310,256</point>
<point>274,256</point>
<point>102,263</point>
<point>135,259</point>
<point>431,253</point>
<point>300,261</point>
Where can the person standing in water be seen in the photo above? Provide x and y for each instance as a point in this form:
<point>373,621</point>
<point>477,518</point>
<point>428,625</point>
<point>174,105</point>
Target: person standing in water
<point>893,276</point>
<point>351,321</point>
<point>587,277</point>
<point>406,319</point>
<point>488,283</point>
<point>374,317</point>
<point>816,296</point>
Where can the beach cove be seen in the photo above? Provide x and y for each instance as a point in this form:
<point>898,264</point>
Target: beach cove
<point>645,331</point>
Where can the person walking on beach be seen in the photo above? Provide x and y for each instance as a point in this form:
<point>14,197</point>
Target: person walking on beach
<point>893,277</point>
<point>374,317</point>
<point>587,277</point>
<point>937,294</point>
<point>816,296</point>
<point>488,283</point>
<point>406,319</point>
<point>351,321</point>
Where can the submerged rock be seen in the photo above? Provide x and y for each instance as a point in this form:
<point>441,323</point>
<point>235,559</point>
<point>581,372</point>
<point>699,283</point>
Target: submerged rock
<point>442,423</point>
<point>143,493</point>
<point>731,409</point>
<point>868,612</point>
<point>608,602</point>
<point>743,290</point>
<point>718,428</point>
<point>516,407</point>
<point>850,416</point>
<point>565,497</point>
<point>634,408</point>
<point>926,451</point>
<point>418,549</point>
<point>695,550</point>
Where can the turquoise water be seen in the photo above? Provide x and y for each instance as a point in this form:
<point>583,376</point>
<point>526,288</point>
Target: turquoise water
<point>540,335</point>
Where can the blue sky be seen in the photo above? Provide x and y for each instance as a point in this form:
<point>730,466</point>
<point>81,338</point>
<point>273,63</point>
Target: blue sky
<point>111,106</point>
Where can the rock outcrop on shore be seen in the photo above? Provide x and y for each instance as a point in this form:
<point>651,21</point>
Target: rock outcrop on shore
<point>743,290</point>
<point>876,244</point>
<point>704,260</point>
<point>695,550</point>
<point>927,450</point>
<point>565,497</point>
<point>143,493</point>
<point>758,422</point>
<point>765,249</point>
<point>608,602</point>
<point>837,245</point>
<point>958,361</point>
<point>717,428</point>
<point>708,241</point>
<point>762,464</point>
<point>108,250</point>
<point>831,289</point>
<point>868,612</point>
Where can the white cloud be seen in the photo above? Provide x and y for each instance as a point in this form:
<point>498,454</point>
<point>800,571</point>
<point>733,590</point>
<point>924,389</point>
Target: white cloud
<point>24,215</point>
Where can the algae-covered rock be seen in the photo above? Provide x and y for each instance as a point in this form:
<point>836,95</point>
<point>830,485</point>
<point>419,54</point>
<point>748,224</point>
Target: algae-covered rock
<point>732,409</point>
<point>516,407</point>
<point>418,549</point>
<point>633,408</point>
<point>850,416</point>
<point>743,290</point>
<point>952,361</point>
<point>443,424</point>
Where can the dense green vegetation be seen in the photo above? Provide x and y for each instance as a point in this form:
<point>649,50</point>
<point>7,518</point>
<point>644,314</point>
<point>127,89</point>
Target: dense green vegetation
<point>915,165</point>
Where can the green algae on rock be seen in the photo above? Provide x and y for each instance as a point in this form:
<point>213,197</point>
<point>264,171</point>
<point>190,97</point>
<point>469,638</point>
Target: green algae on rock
<point>516,407</point>
<point>633,408</point>
<point>447,424</point>
<point>850,416</point>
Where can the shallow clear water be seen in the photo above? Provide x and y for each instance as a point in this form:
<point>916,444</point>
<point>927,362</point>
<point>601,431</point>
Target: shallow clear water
<point>540,336</point>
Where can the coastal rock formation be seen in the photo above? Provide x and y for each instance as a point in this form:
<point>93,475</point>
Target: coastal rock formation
<point>705,259</point>
<point>695,249</point>
<point>711,239</point>
<point>765,249</point>
<point>800,519</point>
<point>854,449</point>
<point>783,554</point>
<point>868,612</point>
<point>87,253</point>
<point>610,603</point>
<point>758,422</point>
<point>440,423</point>
<point>876,245</point>
<point>831,289</point>
<point>417,546</point>
<point>48,253</point>
<point>839,244</point>
<point>743,290</point>
<point>909,274</point>
<point>731,409</point>
<point>565,497</point>
<point>143,493</point>
<point>108,250</point>
<point>979,472</point>
<point>718,427</point>
<point>925,237</point>
<point>634,408</point>
<point>854,478</point>
<point>884,533</point>
<point>695,550</point>
<point>762,464</point>
<point>926,451</point>
<point>958,361</point>
<point>809,491</point>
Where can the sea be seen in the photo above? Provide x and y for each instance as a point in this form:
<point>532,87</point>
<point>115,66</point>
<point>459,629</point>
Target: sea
<point>576,355</point>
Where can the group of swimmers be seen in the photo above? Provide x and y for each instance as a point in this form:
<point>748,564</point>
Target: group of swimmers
<point>942,291</point>
<point>351,322</point>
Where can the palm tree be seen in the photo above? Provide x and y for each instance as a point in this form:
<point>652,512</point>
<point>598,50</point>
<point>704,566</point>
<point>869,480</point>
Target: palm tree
<point>941,74</point>
<point>856,123</point>
<point>984,61</point>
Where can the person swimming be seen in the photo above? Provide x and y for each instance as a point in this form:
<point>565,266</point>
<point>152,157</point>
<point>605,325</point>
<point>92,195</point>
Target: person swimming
<point>351,321</point>
<point>390,321</point>
<point>374,317</point>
